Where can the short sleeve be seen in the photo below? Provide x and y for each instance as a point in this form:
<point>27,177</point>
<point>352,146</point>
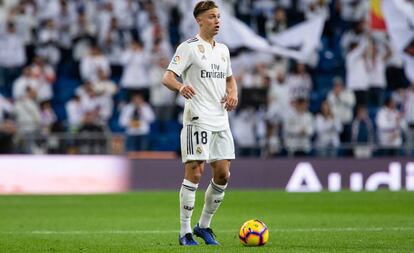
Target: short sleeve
<point>229,71</point>
<point>181,59</point>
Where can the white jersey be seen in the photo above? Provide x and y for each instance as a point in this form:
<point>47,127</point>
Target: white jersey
<point>205,68</point>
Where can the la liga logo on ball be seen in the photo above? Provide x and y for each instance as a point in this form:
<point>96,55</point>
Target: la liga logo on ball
<point>254,233</point>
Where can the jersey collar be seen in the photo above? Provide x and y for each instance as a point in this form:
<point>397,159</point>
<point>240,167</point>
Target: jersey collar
<point>206,42</point>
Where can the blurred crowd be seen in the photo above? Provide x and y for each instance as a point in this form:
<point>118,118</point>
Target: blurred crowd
<point>96,66</point>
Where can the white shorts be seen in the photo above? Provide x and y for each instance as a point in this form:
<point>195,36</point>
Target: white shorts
<point>198,144</point>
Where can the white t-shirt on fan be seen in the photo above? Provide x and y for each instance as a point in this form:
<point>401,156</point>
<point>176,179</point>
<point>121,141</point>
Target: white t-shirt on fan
<point>205,68</point>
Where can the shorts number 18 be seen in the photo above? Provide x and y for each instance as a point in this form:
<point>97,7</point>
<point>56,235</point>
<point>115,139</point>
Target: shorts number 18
<point>203,137</point>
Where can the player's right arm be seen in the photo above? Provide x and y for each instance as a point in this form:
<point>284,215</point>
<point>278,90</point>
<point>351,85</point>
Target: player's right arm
<point>181,61</point>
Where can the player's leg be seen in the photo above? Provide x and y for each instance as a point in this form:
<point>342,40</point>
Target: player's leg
<point>213,197</point>
<point>193,169</point>
<point>192,175</point>
<point>222,151</point>
<point>215,191</point>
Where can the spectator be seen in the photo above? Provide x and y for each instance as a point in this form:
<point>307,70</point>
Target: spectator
<point>408,109</point>
<point>7,126</point>
<point>28,115</point>
<point>92,133</point>
<point>155,33</point>
<point>92,63</point>
<point>45,76</point>
<point>96,104</point>
<point>255,78</point>
<point>342,102</point>
<point>353,36</point>
<point>48,117</point>
<point>298,129</point>
<point>113,41</point>
<point>83,33</point>
<point>395,68</point>
<point>362,133</point>
<point>104,85</point>
<point>12,57</point>
<point>125,12</point>
<point>136,117</point>
<point>278,100</point>
<point>317,8</point>
<point>243,11</point>
<point>277,23</point>
<point>271,144</point>
<point>399,96</point>
<point>95,109</point>
<point>160,49</point>
<point>299,82</point>
<point>244,126</point>
<point>67,16</point>
<point>389,125</point>
<point>353,10</point>
<point>327,127</point>
<point>134,78</point>
<point>75,113</point>
<point>20,85</point>
<point>103,19</point>
<point>376,63</point>
<point>24,17</point>
<point>48,42</point>
<point>357,78</point>
<point>28,121</point>
<point>161,99</point>
<point>50,126</point>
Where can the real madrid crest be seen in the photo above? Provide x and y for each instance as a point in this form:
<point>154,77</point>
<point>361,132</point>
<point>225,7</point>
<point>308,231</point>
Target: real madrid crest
<point>199,150</point>
<point>223,58</point>
<point>201,48</point>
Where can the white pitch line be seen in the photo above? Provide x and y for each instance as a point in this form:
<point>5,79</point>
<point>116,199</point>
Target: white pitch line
<point>280,230</point>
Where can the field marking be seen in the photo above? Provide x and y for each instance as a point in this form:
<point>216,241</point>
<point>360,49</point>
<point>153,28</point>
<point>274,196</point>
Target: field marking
<point>280,230</point>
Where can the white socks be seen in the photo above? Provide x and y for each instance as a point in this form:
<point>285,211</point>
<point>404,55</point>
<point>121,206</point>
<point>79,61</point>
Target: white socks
<point>213,198</point>
<point>187,200</point>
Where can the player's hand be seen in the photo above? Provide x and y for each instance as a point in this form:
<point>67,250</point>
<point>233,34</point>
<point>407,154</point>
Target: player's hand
<point>187,91</point>
<point>230,102</point>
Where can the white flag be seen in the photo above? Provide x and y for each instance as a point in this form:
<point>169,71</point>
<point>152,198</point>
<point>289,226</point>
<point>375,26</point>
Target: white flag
<point>399,18</point>
<point>300,40</point>
<point>297,42</point>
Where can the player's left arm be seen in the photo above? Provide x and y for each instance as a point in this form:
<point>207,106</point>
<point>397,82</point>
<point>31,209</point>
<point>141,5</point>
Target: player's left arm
<point>231,99</point>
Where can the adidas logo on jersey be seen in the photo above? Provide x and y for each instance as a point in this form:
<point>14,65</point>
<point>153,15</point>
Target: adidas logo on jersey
<point>204,58</point>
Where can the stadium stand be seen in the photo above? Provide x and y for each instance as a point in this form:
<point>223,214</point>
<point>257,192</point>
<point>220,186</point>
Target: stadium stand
<point>92,44</point>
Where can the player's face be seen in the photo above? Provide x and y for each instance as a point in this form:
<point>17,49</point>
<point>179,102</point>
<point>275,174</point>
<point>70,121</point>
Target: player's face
<point>209,22</point>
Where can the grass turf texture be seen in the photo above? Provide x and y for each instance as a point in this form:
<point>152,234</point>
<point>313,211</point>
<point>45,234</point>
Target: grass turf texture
<point>148,222</point>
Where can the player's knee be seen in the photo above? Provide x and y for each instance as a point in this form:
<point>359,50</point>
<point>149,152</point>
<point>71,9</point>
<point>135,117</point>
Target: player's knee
<point>194,171</point>
<point>196,177</point>
<point>222,178</point>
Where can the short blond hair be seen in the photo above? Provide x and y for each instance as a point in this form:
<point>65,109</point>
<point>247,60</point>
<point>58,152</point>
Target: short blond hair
<point>203,6</point>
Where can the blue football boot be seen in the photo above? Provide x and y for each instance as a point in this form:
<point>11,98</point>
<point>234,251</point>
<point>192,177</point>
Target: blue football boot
<point>187,240</point>
<point>206,234</point>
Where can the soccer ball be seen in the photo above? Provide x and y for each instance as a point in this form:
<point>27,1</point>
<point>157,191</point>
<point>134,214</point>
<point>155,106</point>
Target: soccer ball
<point>254,233</point>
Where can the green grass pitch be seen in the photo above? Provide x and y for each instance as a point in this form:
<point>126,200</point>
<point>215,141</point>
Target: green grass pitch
<point>148,222</point>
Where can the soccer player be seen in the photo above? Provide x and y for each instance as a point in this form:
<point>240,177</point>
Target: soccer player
<point>210,91</point>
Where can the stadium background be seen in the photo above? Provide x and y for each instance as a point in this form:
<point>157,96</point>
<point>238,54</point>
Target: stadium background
<point>82,169</point>
<point>85,59</point>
